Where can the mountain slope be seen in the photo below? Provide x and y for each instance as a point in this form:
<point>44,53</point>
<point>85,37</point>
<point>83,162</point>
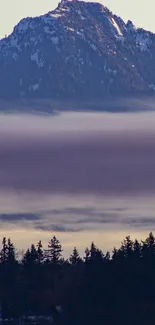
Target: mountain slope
<point>78,50</point>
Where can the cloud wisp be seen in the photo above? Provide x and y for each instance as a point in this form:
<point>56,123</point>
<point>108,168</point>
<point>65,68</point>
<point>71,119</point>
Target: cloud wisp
<point>73,220</point>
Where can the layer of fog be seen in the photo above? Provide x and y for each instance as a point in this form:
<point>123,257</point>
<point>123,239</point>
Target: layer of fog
<point>82,153</point>
<point>77,173</point>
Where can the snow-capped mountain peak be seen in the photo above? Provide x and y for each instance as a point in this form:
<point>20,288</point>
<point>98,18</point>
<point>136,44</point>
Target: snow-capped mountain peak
<point>80,49</point>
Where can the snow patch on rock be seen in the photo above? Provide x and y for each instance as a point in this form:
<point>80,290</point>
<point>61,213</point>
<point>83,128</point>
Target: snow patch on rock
<point>48,31</point>
<point>55,40</point>
<point>34,87</point>
<point>116,27</point>
<point>143,42</point>
<point>93,47</point>
<point>47,19</point>
<point>55,15</point>
<point>71,29</point>
<point>35,57</point>
<point>152,86</point>
<point>15,56</point>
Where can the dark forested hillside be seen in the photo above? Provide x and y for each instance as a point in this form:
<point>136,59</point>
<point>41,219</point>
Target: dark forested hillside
<point>98,288</point>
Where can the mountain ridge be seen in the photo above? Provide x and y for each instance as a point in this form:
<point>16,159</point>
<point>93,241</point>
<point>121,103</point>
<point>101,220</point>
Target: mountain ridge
<point>79,50</point>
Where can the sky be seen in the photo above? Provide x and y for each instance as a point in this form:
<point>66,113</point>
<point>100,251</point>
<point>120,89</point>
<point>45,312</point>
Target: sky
<point>79,176</point>
<point>11,12</point>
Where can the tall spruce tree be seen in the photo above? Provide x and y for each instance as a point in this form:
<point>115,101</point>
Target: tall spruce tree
<point>148,247</point>
<point>75,257</point>
<point>10,252</point>
<point>4,251</point>
<point>87,255</point>
<point>40,252</point>
<point>30,256</point>
<point>54,250</point>
<point>95,253</point>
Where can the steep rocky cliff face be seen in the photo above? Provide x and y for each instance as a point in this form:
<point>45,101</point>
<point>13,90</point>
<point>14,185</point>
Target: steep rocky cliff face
<point>78,50</point>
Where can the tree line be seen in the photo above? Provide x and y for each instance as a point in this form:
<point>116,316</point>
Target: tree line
<point>97,288</point>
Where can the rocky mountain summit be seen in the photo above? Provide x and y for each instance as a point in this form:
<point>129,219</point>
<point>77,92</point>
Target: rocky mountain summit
<point>79,50</point>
